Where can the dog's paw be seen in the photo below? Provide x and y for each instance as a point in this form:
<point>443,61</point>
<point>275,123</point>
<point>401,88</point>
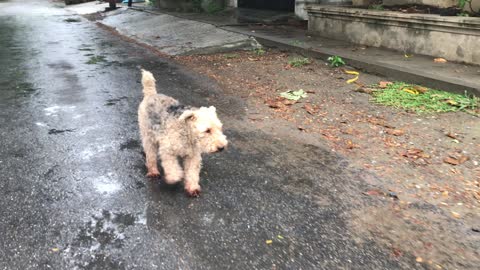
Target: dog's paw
<point>153,174</point>
<point>193,193</point>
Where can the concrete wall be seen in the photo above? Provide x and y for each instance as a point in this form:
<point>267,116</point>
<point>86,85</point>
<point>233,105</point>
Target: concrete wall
<point>475,6</point>
<point>437,3</point>
<point>72,2</point>
<point>232,3</point>
<point>453,38</point>
<point>301,4</point>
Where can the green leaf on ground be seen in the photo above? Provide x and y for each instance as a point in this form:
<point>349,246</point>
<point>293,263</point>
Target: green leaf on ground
<point>294,95</point>
<point>298,62</point>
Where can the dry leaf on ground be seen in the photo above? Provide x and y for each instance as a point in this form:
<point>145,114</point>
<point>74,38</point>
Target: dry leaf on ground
<point>365,90</point>
<point>350,145</point>
<point>384,84</point>
<point>415,153</point>
<point>440,60</point>
<point>452,135</point>
<point>455,158</point>
<point>379,122</point>
<point>311,109</point>
<point>395,132</point>
<point>421,89</point>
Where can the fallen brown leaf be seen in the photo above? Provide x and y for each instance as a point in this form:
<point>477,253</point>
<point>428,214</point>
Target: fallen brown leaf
<point>365,90</point>
<point>350,144</point>
<point>311,109</point>
<point>421,89</point>
<point>373,192</point>
<point>415,153</point>
<point>379,122</point>
<point>348,131</point>
<point>279,102</point>
<point>456,158</point>
<point>395,132</point>
<point>452,135</point>
<point>275,104</point>
<point>384,84</point>
<point>455,214</point>
<point>440,60</point>
<point>288,101</point>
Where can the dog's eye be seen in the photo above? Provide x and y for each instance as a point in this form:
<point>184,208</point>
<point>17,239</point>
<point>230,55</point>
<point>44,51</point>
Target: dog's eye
<point>208,131</point>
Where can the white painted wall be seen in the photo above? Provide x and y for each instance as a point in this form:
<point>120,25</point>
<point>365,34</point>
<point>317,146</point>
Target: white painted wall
<point>300,5</point>
<point>232,3</point>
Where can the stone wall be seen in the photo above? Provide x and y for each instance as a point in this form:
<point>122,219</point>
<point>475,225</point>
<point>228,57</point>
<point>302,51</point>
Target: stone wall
<point>73,2</point>
<point>301,4</point>
<point>436,3</point>
<point>453,38</point>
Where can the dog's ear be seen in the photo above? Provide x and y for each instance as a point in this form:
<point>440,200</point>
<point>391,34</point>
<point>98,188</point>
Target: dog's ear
<point>187,115</point>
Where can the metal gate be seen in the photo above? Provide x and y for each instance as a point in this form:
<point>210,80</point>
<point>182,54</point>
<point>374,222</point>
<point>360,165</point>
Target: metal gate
<point>285,5</point>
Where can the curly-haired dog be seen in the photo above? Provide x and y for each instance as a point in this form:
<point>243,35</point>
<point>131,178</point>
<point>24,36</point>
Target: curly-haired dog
<point>172,131</point>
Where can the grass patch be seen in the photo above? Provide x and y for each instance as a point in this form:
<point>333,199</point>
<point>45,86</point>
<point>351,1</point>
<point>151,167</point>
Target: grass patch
<point>297,43</point>
<point>299,62</point>
<point>230,55</point>
<point>95,59</point>
<point>403,95</point>
<point>259,51</point>
<point>376,7</point>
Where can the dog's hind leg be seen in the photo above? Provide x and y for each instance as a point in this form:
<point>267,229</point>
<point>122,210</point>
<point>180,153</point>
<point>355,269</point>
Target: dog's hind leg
<point>151,148</point>
<point>192,175</point>
<point>171,167</point>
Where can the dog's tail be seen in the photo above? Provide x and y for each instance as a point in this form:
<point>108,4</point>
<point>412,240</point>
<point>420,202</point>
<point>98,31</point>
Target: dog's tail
<point>148,82</point>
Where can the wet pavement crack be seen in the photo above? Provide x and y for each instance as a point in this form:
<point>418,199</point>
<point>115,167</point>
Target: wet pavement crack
<point>54,131</point>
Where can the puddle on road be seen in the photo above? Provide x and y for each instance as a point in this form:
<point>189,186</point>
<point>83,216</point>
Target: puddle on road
<point>95,150</point>
<point>103,231</point>
<point>106,185</point>
<point>54,110</point>
<point>130,144</point>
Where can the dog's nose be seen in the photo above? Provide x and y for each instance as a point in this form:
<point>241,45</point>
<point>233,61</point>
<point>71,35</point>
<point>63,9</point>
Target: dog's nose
<point>220,149</point>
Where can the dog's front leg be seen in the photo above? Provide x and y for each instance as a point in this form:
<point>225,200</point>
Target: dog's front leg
<point>150,149</point>
<point>171,167</point>
<point>192,175</point>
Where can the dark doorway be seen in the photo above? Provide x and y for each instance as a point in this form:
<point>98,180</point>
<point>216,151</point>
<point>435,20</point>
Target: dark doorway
<point>285,5</point>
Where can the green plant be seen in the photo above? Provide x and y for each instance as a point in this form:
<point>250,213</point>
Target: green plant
<point>299,61</point>
<point>259,51</point>
<point>462,3</point>
<point>403,95</point>
<point>376,7</point>
<point>297,43</point>
<point>336,61</point>
<point>197,5</point>
<point>294,95</point>
<point>212,6</point>
<point>230,55</point>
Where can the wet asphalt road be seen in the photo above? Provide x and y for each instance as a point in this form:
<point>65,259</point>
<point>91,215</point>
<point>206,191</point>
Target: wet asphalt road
<point>72,187</point>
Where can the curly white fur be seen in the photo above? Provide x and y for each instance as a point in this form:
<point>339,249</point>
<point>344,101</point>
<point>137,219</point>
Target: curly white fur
<point>172,131</point>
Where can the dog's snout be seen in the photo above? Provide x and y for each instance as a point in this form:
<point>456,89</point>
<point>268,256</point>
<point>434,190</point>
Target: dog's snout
<point>220,149</point>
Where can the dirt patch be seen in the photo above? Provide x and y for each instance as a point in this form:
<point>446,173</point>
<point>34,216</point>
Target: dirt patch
<point>407,150</point>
